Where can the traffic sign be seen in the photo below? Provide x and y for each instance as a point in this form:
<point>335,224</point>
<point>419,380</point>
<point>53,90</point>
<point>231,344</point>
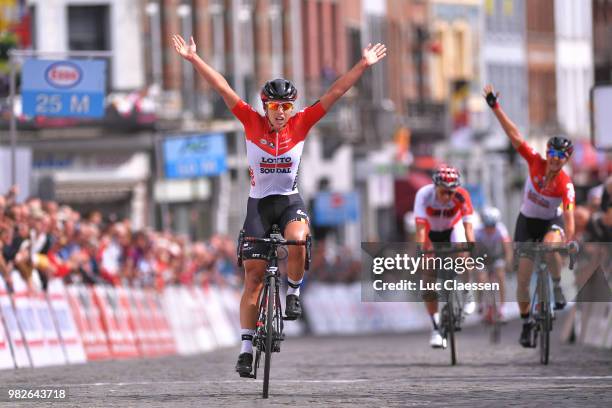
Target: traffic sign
<point>64,88</point>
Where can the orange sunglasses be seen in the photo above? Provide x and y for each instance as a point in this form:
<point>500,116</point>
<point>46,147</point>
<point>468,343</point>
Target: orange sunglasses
<point>287,106</point>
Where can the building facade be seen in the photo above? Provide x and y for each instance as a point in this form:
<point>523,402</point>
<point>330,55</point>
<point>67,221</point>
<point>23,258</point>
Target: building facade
<point>574,65</point>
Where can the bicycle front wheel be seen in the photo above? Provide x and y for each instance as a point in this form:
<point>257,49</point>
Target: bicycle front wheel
<point>545,326</point>
<point>451,328</point>
<point>271,298</point>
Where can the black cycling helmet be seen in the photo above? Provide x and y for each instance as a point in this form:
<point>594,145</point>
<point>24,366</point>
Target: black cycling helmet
<point>278,90</point>
<point>561,144</point>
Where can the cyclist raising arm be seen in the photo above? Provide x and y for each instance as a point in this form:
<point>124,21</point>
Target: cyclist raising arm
<point>274,149</point>
<point>546,189</point>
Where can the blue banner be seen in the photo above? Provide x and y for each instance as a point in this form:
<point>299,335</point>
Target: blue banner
<point>194,156</point>
<point>331,209</point>
<point>64,88</point>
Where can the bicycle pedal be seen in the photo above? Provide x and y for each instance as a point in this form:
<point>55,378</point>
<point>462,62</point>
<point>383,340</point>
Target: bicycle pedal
<point>290,318</point>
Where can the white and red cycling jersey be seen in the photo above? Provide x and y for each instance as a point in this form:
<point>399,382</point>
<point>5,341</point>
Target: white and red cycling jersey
<point>274,157</point>
<point>437,216</point>
<point>541,200</point>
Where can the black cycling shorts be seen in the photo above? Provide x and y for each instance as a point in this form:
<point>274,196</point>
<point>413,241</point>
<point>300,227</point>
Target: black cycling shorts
<point>440,236</point>
<point>534,229</point>
<point>262,213</point>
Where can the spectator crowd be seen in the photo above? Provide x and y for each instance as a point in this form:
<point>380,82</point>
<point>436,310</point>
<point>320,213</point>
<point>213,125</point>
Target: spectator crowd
<point>58,241</point>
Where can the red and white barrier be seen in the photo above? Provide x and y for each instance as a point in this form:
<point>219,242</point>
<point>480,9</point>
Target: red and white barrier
<point>53,347</point>
<point>142,325</point>
<point>210,299</point>
<point>68,332</point>
<point>121,340</point>
<point>10,322</point>
<point>167,344</point>
<point>29,322</point>
<point>74,324</point>
<point>87,318</point>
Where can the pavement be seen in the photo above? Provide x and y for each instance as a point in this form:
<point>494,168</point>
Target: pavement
<point>385,370</point>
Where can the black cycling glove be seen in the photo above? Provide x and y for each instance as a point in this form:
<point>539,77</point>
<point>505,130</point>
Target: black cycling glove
<point>491,100</point>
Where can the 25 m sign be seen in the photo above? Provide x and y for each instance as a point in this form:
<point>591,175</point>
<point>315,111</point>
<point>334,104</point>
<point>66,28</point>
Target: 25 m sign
<point>66,88</point>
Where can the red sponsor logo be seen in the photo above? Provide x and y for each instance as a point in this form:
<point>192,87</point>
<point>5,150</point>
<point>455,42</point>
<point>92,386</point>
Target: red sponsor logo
<point>63,75</point>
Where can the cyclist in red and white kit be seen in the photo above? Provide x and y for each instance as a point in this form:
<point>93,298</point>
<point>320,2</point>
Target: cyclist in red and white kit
<point>444,213</point>
<point>274,148</point>
<point>549,193</point>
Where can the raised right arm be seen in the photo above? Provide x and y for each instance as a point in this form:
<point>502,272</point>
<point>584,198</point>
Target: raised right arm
<point>509,127</point>
<point>214,79</point>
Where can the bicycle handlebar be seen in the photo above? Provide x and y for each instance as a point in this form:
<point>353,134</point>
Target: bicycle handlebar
<point>455,249</point>
<point>570,249</point>
<point>275,241</point>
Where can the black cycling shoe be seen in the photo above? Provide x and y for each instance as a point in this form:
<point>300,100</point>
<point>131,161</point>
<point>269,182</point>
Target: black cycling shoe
<point>560,301</point>
<point>244,366</point>
<point>293,308</point>
<point>525,339</point>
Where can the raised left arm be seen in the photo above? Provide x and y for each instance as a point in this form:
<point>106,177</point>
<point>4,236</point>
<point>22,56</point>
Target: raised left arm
<point>371,55</point>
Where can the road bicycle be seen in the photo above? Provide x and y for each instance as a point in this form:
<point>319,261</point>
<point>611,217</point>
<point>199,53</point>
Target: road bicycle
<point>542,307</point>
<point>269,329</point>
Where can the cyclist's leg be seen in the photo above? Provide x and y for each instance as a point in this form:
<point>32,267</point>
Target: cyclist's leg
<point>255,225</point>
<point>254,271</point>
<point>499,268</point>
<point>458,236</point>
<point>294,222</point>
<point>555,235</point>
<point>523,236</point>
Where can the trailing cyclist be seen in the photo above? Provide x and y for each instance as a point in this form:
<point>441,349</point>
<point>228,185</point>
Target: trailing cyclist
<point>274,148</point>
<point>493,238</point>
<point>547,211</point>
<point>444,213</point>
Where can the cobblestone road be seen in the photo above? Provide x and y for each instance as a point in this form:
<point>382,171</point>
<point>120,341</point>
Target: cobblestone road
<point>381,370</point>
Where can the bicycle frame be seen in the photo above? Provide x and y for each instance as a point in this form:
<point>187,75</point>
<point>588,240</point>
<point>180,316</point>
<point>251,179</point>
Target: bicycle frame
<point>269,325</point>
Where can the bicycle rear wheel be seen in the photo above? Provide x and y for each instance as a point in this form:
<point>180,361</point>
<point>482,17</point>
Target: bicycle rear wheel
<point>271,298</point>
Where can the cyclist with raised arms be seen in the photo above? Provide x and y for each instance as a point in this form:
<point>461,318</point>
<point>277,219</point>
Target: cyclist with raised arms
<point>548,194</point>
<point>444,213</point>
<point>274,148</point>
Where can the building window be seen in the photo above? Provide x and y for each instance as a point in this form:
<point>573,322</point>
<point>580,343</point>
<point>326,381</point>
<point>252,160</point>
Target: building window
<point>88,28</point>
